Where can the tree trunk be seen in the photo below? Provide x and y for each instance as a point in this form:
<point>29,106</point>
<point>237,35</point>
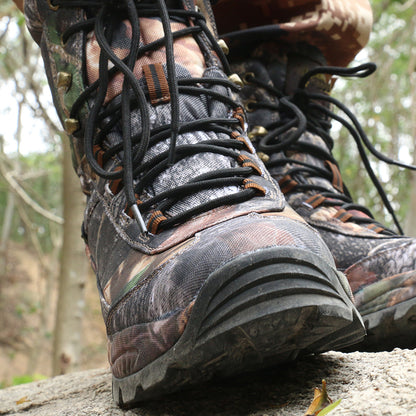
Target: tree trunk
<point>410,224</point>
<point>11,197</point>
<point>5,232</point>
<point>73,272</point>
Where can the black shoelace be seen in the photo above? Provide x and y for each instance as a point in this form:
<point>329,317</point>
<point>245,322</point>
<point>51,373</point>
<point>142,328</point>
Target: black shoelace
<point>134,174</point>
<point>316,118</point>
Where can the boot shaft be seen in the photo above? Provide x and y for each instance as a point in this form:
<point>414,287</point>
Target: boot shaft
<point>71,54</point>
<point>152,116</point>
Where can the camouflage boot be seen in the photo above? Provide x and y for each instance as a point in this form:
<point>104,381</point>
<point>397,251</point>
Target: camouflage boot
<point>202,268</point>
<point>288,104</point>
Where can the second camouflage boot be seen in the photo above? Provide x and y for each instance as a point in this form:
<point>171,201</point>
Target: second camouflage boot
<point>288,102</point>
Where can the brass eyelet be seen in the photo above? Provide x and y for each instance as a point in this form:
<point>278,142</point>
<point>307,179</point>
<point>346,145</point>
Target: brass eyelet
<point>263,157</point>
<point>63,44</point>
<point>257,131</point>
<point>235,79</point>
<point>64,80</point>
<point>51,6</point>
<point>248,105</point>
<point>223,46</point>
<point>246,77</point>
<point>71,125</point>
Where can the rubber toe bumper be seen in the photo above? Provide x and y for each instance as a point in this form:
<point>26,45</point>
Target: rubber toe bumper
<point>258,310</point>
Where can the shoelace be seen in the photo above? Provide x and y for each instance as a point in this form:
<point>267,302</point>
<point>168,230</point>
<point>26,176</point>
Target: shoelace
<point>134,174</point>
<point>317,120</point>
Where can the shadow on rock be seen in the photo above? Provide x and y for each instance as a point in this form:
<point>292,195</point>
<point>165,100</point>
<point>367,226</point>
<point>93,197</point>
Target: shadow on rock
<point>263,392</point>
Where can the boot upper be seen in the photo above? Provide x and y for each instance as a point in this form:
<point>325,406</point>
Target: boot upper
<point>299,157</point>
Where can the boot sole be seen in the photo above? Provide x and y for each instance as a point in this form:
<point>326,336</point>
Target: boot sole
<point>392,327</point>
<point>259,310</point>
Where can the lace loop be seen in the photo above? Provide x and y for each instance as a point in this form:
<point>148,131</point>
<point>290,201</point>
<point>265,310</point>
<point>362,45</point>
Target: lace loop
<point>315,109</point>
<point>360,71</point>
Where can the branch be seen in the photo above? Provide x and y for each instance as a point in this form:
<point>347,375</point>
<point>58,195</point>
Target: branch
<point>381,9</point>
<point>26,198</point>
<point>405,6</point>
<point>21,177</point>
<point>3,35</point>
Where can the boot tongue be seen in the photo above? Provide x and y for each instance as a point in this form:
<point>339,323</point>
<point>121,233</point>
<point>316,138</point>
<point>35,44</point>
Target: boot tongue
<point>186,51</point>
<point>300,59</point>
<point>284,66</point>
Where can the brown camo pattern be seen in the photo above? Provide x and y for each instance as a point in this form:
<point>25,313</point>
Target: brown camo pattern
<point>339,28</point>
<point>148,319</point>
<point>385,277</point>
<point>128,350</point>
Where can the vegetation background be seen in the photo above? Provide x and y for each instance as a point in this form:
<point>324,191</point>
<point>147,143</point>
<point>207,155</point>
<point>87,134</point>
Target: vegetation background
<point>50,316</point>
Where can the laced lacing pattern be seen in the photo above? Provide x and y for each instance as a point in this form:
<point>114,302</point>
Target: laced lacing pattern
<point>133,174</point>
<point>314,115</point>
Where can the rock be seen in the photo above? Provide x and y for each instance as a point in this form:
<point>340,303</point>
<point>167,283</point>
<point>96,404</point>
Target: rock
<point>369,384</point>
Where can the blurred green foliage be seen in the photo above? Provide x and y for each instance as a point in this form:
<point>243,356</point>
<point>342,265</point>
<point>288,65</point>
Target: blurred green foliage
<point>384,105</point>
<point>45,188</point>
<point>27,378</point>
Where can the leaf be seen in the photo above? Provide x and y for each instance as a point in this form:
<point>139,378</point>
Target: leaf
<point>22,400</point>
<point>329,408</point>
<point>321,404</point>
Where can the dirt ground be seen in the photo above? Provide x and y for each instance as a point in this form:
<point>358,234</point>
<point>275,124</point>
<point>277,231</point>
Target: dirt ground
<point>26,339</point>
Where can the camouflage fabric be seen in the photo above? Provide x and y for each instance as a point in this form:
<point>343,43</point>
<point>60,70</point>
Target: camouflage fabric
<point>339,28</point>
<point>181,271</point>
<point>380,265</point>
<point>211,210</point>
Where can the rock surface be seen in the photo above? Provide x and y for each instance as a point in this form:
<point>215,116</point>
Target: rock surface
<point>369,384</point>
